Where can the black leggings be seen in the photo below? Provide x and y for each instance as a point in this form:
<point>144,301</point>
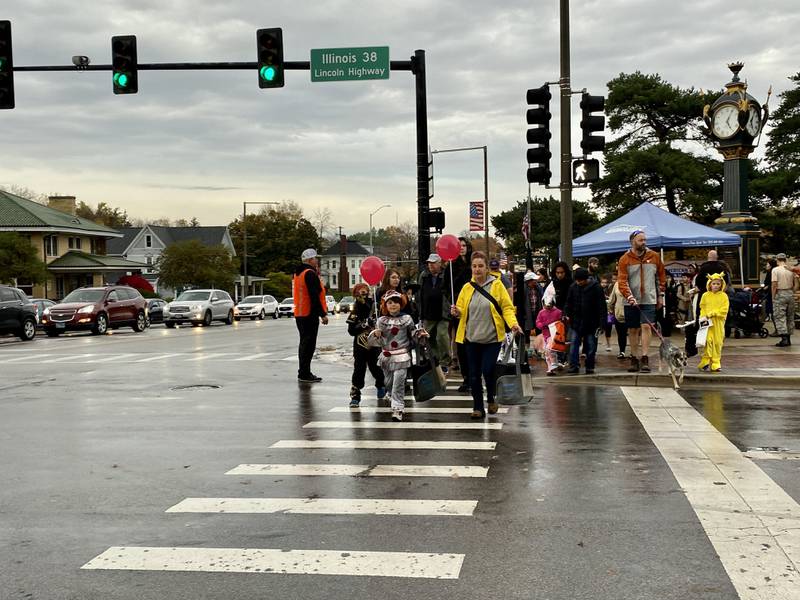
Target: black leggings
<point>622,336</point>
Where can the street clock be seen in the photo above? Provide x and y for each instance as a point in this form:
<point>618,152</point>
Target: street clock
<point>736,118</point>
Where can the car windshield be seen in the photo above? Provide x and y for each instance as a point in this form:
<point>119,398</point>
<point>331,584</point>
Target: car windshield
<point>347,299</point>
<point>84,296</point>
<point>287,301</point>
<point>192,296</point>
<point>252,300</point>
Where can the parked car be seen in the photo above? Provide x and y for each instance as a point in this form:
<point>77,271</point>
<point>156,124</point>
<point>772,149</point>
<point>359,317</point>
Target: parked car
<point>256,307</point>
<point>17,314</point>
<point>199,307</point>
<point>155,311</point>
<point>40,304</point>
<point>345,304</point>
<point>97,309</point>
<point>286,307</point>
<point>330,301</point>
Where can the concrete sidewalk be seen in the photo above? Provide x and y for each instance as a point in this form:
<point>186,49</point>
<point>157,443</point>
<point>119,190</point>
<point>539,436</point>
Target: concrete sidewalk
<point>752,362</point>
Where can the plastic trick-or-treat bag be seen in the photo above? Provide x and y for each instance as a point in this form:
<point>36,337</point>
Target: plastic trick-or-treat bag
<point>428,378</point>
<point>514,384</point>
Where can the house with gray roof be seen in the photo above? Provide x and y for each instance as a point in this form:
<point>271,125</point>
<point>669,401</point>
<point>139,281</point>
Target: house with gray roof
<point>73,248</point>
<point>340,265</point>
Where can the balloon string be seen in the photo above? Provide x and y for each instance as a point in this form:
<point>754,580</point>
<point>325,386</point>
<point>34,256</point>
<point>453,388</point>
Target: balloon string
<point>375,296</point>
<point>452,289</point>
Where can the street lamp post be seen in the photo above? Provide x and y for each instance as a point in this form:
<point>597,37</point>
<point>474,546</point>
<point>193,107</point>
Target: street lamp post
<point>245,282</point>
<point>485,185</point>
<point>371,249</point>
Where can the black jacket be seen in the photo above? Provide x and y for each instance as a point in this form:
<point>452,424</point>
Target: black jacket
<point>314,287</point>
<point>433,298</point>
<point>586,307</point>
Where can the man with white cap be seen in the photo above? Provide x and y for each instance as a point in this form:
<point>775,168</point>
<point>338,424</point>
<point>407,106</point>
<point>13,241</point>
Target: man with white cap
<point>310,308</point>
<point>783,300</point>
<point>434,308</point>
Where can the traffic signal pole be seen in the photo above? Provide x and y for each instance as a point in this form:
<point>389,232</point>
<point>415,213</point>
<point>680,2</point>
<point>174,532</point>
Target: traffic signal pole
<point>566,139</point>
<point>423,185</point>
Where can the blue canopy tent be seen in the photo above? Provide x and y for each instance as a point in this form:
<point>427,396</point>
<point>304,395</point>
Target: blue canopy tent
<point>663,229</point>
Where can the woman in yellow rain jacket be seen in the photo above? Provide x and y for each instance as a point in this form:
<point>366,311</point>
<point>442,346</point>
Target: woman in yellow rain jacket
<point>714,306</point>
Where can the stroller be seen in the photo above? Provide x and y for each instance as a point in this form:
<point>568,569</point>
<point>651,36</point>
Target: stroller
<point>747,313</point>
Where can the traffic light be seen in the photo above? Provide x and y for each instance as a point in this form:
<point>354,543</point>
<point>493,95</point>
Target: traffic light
<point>592,123</point>
<point>586,170</point>
<point>434,219</point>
<point>6,67</point>
<point>270,57</point>
<point>124,64</point>
<point>539,136</point>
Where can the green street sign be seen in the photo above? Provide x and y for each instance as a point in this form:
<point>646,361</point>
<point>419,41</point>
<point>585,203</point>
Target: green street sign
<point>350,64</point>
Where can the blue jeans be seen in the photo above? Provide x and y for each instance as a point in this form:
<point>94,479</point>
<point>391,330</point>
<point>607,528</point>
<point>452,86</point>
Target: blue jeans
<point>482,359</point>
<point>589,343</point>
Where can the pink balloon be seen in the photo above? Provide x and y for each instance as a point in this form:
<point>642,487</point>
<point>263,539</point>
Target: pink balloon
<point>448,247</point>
<point>372,270</point>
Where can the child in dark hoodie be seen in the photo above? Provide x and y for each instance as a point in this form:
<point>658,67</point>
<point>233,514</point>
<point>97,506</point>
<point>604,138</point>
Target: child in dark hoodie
<point>585,312</point>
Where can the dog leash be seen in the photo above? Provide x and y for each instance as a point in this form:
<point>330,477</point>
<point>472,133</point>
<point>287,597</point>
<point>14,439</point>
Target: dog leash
<point>652,326</point>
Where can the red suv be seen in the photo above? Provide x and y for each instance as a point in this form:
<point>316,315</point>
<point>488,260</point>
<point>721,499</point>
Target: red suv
<point>97,309</point>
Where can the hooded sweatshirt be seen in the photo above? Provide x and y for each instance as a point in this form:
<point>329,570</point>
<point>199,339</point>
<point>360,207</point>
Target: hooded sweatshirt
<point>714,305</point>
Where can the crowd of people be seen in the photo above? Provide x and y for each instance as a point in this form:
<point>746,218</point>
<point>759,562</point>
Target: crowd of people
<point>467,309</point>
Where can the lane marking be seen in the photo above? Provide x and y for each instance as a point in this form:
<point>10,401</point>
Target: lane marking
<point>254,356</point>
<point>327,506</point>
<point>113,357</point>
<point>361,470</point>
<point>292,357</point>
<point>207,356</point>
<point>158,357</point>
<point>384,445</point>
<point>268,560</point>
<point>72,357</point>
<point>753,524</point>
<point>442,410</point>
<point>401,425</point>
<point>36,358</point>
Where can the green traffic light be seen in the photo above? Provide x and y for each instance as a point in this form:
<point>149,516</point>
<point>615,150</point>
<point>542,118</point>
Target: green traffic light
<point>268,73</point>
<point>121,79</point>
<point>2,62</point>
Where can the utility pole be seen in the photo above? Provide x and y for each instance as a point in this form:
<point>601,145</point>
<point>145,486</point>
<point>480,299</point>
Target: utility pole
<point>566,138</point>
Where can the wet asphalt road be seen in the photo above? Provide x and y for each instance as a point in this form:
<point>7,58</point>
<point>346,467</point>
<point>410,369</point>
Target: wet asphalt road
<point>578,502</point>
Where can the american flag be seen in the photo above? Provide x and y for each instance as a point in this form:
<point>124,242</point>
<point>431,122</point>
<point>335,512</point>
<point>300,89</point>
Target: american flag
<point>476,222</point>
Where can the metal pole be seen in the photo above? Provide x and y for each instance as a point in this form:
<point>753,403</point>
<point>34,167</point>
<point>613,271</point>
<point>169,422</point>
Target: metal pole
<point>486,196</point>
<point>566,139</point>
<point>528,249</point>
<point>423,189</point>
<point>370,234</point>
<point>244,245</point>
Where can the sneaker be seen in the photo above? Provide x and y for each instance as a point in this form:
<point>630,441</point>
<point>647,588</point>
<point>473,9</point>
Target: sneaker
<point>477,414</point>
<point>397,415</point>
<point>644,365</point>
<point>590,371</point>
<point>573,371</point>
<point>561,366</point>
<point>463,388</point>
<point>608,348</point>
<point>355,402</point>
<point>621,356</point>
<point>310,378</point>
<point>493,408</point>
<point>381,393</point>
<point>551,373</point>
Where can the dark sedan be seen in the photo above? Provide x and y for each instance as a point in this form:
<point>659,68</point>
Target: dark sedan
<point>155,310</point>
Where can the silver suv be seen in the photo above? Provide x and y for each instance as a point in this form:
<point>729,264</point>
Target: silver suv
<point>199,307</point>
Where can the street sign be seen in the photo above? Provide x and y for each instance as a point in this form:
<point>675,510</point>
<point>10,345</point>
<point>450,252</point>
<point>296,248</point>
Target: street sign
<point>350,64</point>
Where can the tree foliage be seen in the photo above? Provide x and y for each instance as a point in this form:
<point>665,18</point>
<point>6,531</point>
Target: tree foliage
<point>19,260</point>
<point>193,264</point>
<point>545,229</point>
<point>276,237</point>
<point>103,214</point>
<point>658,152</point>
<point>278,285</point>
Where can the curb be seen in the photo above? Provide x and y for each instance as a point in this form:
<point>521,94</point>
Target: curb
<point>664,380</point>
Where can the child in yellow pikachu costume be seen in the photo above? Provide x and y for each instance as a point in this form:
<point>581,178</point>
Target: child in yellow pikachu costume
<point>714,305</point>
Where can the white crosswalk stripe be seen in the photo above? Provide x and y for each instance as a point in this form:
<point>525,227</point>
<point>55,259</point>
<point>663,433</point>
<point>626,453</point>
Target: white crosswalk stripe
<point>327,506</point>
<point>253,356</point>
<point>156,357</point>
<point>384,445</point>
<point>403,425</point>
<point>361,470</point>
<point>69,358</point>
<point>267,560</point>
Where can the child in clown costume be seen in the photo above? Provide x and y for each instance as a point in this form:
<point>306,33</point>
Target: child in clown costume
<point>714,306</point>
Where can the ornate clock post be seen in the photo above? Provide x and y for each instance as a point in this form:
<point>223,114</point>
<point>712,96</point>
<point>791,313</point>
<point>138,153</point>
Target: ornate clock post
<point>735,120</point>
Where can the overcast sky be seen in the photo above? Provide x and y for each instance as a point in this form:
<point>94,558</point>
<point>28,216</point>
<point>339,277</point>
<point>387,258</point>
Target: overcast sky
<point>200,143</point>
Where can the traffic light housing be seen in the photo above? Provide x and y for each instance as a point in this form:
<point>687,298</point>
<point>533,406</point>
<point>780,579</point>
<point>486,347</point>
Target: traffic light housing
<point>539,135</point>
<point>591,123</point>
<point>6,67</point>
<point>434,219</point>
<point>270,57</point>
<point>124,64</point>
<point>585,171</point>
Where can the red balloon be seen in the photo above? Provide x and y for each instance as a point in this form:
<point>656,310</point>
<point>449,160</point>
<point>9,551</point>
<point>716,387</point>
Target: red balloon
<point>448,247</point>
<point>372,270</point>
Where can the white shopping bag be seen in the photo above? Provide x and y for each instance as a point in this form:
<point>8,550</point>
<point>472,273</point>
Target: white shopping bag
<point>702,332</point>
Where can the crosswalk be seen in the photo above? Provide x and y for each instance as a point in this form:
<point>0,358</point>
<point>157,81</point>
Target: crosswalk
<point>413,563</point>
<point>89,358</point>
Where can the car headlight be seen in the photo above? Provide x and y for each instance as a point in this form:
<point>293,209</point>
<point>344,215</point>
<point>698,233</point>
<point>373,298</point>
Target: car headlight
<point>86,309</point>
<point>197,307</point>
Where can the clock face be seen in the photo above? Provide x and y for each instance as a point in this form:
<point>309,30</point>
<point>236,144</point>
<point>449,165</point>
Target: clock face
<point>726,121</point>
<point>753,122</point>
